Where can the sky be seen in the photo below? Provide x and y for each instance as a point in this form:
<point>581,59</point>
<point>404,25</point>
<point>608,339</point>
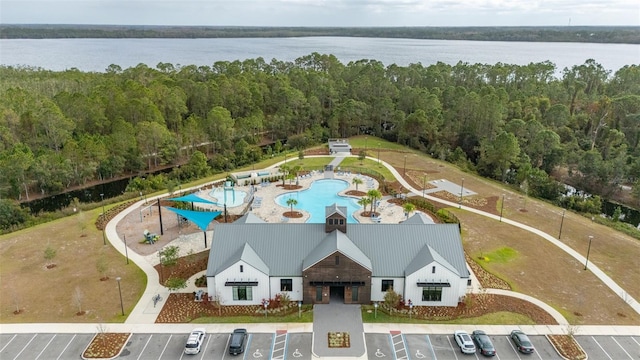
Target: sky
<point>323,13</point>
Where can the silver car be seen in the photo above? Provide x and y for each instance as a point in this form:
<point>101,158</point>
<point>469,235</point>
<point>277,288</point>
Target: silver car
<point>465,342</point>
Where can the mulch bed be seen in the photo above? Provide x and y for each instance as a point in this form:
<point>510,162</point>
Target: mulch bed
<point>106,345</point>
<point>567,346</point>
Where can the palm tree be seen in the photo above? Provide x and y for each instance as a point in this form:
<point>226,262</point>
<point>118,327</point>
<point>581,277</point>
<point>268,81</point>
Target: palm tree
<point>408,208</point>
<point>357,181</point>
<point>285,170</point>
<point>291,202</point>
<point>364,201</point>
<point>374,195</point>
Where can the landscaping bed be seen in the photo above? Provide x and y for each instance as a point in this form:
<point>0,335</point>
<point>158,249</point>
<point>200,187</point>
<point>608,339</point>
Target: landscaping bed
<point>106,345</point>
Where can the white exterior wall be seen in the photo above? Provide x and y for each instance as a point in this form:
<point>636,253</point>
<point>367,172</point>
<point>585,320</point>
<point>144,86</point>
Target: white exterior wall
<point>376,287</point>
<point>232,273</point>
<point>450,295</point>
<point>294,295</point>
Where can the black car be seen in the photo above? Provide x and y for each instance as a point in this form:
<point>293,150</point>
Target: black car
<point>237,342</point>
<point>483,342</point>
<point>522,342</point>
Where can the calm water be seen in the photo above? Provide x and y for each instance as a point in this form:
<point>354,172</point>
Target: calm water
<point>231,198</point>
<point>98,54</point>
<point>320,194</point>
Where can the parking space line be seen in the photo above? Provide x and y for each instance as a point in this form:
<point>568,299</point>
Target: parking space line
<point>203,351</point>
<point>513,347</point>
<point>634,339</point>
<point>165,346</point>
<point>144,347</point>
<point>9,342</point>
<point>45,347</point>
<point>453,350</point>
<point>623,349</point>
<point>25,347</point>
<point>433,352</point>
<point>65,348</point>
<point>601,348</point>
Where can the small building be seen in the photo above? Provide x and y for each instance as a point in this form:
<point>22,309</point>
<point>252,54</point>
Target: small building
<point>251,260</point>
<point>339,146</point>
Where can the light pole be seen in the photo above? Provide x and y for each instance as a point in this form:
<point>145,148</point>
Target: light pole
<point>126,249</point>
<point>265,303</point>
<point>160,259</point>
<point>120,292</point>
<point>424,185</point>
<point>365,146</point>
<point>501,207</point>
<point>375,311</point>
<point>561,222</point>
<point>102,197</point>
<point>410,308</point>
<point>588,250</point>
<point>299,309</point>
<point>378,153</point>
<point>404,171</point>
<point>461,190</point>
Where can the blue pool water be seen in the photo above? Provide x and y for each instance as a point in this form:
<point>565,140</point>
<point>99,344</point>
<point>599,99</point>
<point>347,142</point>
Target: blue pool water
<point>231,197</point>
<point>322,193</point>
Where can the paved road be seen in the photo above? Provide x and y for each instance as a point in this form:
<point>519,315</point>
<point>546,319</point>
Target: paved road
<point>283,345</point>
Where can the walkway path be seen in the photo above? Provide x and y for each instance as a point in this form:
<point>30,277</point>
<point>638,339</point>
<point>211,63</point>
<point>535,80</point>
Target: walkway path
<point>592,267</point>
<point>146,311</point>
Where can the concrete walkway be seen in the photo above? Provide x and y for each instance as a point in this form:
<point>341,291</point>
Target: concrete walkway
<point>145,312</point>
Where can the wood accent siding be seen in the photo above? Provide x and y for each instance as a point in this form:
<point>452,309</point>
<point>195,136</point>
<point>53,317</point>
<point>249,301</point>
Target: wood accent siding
<point>335,219</point>
<point>342,274</point>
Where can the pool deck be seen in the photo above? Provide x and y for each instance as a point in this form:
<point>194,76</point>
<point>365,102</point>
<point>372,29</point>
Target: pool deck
<point>266,208</point>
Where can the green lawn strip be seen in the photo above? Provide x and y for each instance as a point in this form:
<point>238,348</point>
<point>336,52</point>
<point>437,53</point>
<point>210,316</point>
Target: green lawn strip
<point>497,318</point>
<point>502,255</point>
<point>306,316</point>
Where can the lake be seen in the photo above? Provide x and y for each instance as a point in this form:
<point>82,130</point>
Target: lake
<point>97,54</point>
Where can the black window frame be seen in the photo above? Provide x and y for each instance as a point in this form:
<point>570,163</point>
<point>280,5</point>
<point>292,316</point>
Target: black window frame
<point>386,284</point>
<point>286,284</point>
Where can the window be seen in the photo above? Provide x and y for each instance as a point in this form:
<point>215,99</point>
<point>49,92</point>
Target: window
<point>433,269</point>
<point>330,221</point>
<point>337,260</point>
<point>354,293</point>
<point>318,293</point>
<point>241,268</point>
<point>432,293</point>
<point>242,293</point>
<point>387,284</point>
<point>341,221</point>
<point>286,285</point>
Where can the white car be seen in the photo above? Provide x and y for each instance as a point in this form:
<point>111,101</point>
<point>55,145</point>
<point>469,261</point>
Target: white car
<point>464,342</point>
<point>195,340</point>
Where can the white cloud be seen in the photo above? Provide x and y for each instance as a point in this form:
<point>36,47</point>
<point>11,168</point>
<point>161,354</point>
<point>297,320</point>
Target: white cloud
<point>323,12</point>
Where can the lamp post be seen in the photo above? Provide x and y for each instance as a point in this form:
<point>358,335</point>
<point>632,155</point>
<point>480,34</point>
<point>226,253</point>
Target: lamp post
<point>378,153</point>
<point>120,292</point>
<point>424,185</point>
<point>365,146</point>
<point>461,190</point>
<point>561,223</point>
<point>160,263</point>
<point>126,249</point>
<point>299,309</point>
<point>102,197</point>
<point>375,311</point>
<point>265,303</point>
<point>410,308</point>
<point>501,207</point>
<point>588,250</point>
<point>404,171</point>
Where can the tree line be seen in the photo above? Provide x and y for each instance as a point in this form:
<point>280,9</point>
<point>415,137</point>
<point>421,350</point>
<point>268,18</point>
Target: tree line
<point>520,125</point>
<point>591,34</point>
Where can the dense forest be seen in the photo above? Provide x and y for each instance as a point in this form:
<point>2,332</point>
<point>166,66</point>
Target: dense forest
<point>516,124</point>
<point>593,34</point>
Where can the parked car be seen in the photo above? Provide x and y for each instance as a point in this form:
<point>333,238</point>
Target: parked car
<point>194,341</point>
<point>483,342</point>
<point>464,342</point>
<point>237,342</point>
<point>522,342</point>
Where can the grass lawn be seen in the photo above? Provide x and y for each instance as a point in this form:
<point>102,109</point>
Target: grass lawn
<point>503,317</point>
<point>74,285</point>
<point>529,263</point>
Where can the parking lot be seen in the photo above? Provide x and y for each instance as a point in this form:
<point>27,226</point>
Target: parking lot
<point>283,345</point>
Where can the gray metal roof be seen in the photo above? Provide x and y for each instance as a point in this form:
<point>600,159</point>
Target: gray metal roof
<point>419,218</point>
<point>249,218</point>
<point>336,241</point>
<point>284,247</point>
<point>248,255</point>
<point>332,209</point>
<point>425,256</point>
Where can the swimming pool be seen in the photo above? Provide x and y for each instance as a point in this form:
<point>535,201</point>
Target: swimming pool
<point>230,197</point>
<point>320,194</point>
